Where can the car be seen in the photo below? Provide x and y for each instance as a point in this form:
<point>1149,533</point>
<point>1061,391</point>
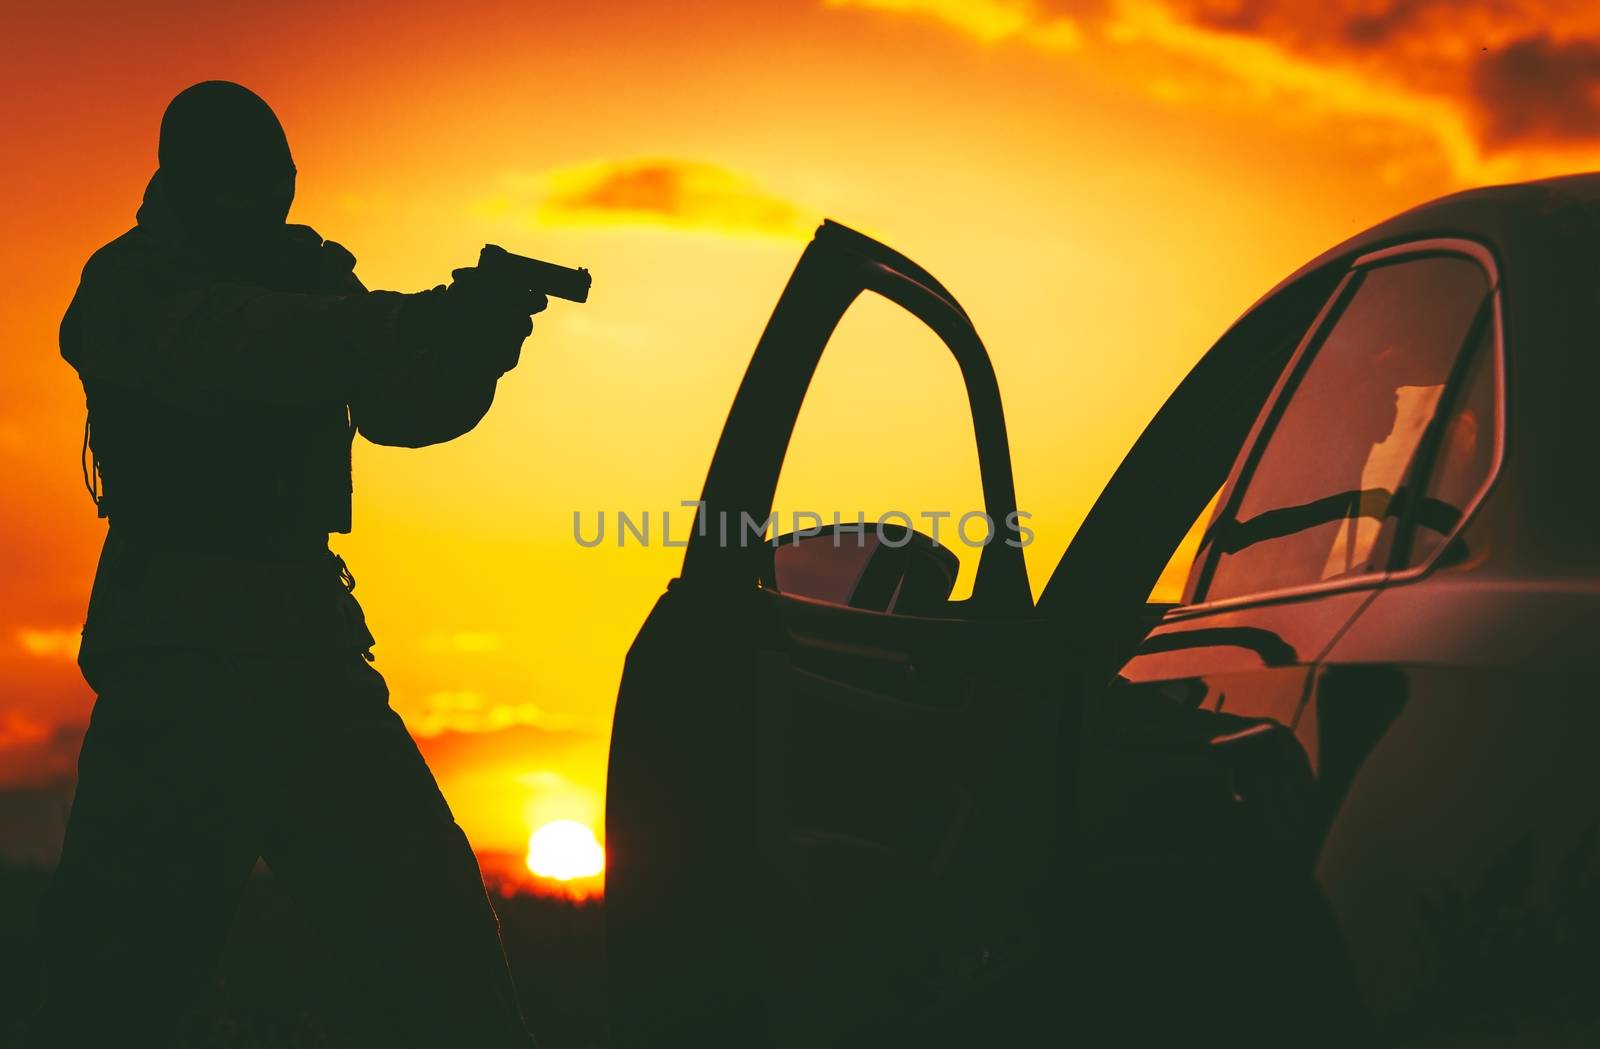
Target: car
<point>1342,791</point>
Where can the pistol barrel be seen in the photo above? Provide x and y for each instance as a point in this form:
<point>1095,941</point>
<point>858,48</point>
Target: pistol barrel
<point>537,275</point>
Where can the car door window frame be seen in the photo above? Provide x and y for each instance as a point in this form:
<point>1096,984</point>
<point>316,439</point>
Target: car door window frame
<point>1419,472</point>
<point>837,267</point>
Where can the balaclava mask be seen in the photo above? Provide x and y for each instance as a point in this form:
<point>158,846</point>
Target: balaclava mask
<point>226,173</point>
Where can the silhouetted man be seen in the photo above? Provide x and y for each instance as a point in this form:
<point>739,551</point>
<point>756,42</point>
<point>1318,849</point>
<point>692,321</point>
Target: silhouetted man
<point>228,359</point>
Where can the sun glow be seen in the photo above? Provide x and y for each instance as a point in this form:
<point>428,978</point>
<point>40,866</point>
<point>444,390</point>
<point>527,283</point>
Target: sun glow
<point>565,850</point>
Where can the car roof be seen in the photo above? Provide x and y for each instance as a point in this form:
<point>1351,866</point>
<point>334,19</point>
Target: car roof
<point>1500,216</point>
<point>1545,238</point>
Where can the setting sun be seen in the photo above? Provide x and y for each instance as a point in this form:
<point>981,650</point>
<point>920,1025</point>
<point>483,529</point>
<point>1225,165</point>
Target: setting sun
<point>565,850</point>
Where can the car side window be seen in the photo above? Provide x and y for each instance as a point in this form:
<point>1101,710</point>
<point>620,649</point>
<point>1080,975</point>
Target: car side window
<point>1172,584</point>
<point>1463,459</point>
<point>1320,500</point>
<point>884,450</point>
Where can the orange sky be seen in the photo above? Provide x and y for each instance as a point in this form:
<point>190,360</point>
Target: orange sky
<point>1105,185</point>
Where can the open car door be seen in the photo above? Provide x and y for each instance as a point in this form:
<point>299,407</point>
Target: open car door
<point>831,813</point>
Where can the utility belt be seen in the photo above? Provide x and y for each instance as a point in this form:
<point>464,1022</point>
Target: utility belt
<point>307,552</point>
<point>222,593</point>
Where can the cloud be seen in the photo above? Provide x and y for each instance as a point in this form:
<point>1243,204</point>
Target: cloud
<point>470,712</point>
<point>1493,89</point>
<point>18,729</point>
<point>473,641</point>
<point>1499,88</point>
<point>544,780</point>
<point>36,753</point>
<point>1275,71</point>
<point>659,192</point>
<point>1539,89</point>
<point>988,21</point>
<point>50,643</point>
<point>554,746</point>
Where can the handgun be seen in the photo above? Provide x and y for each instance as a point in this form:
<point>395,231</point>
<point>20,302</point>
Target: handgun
<point>535,274</point>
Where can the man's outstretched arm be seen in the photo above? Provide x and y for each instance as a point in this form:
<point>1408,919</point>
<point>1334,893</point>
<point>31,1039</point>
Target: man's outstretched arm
<point>463,338</point>
<point>416,369</point>
<point>426,403</point>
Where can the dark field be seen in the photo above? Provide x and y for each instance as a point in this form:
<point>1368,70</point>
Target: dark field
<point>276,987</point>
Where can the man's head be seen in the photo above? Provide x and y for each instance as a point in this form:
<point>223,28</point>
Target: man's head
<point>225,165</point>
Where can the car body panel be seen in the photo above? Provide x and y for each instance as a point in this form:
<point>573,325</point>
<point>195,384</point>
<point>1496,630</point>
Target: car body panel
<point>1329,801</point>
<point>1253,662</point>
<point>1462,859</point>
<point>1455,845</point>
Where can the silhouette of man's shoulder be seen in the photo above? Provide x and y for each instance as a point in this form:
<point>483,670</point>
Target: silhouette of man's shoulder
<point>137,292</point>
<point>119,282</point>
<point>123,271</point>
<point>133,248</point>
<point>140,263</point>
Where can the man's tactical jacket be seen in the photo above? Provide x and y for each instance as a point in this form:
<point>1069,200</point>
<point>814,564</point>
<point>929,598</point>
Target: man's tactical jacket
<point>222,408</point>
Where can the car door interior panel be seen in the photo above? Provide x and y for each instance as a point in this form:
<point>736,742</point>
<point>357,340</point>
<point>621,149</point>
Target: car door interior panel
<point>879,760</point>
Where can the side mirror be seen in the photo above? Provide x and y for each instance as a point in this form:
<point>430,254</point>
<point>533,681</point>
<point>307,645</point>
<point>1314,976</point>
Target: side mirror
<point>885,568</point>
